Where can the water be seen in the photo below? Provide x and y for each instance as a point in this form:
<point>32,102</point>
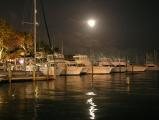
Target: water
<point>114,96</point>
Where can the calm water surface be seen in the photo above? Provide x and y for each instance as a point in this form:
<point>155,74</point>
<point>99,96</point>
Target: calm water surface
<point>114,96</point>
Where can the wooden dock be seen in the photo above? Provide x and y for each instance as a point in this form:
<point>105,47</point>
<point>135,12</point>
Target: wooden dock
<point>22,76</point>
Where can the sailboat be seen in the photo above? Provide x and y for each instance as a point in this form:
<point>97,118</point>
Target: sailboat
<point>48,67</point>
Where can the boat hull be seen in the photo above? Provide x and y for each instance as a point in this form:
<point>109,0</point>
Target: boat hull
<point>99,70</point>
<point>135,68</point>
<point>152,67</point>
<point>119,69</point>
<point>71,70</point>
<point>47,71</point>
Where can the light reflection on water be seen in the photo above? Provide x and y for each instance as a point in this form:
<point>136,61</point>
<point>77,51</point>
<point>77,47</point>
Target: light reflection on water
<point>92,107</point>
<point>72,97</point>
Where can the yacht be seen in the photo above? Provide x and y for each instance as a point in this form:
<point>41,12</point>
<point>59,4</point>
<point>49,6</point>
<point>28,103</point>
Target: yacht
<point>99,69</point>
<point>70,68</point>
<point>82,60</point>
<point>51,65</point>
<point>136,68</point>
<point>151,66</point>
<point>64,67</point>
<point>48,69</point>
<point>91,68</point>
<point>151,61</point>
<point>119,65</point>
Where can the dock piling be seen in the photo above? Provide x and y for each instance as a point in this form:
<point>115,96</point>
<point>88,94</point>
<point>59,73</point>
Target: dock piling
<point>9,73</point>
<point>34,76</point>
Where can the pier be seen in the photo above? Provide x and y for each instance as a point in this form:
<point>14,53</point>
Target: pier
<point>21,76</point>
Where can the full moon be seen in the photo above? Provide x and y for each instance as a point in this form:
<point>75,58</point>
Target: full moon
<point>91,22</point>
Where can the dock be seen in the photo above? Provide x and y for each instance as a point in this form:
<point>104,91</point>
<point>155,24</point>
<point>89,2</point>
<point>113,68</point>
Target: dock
<point>22,76</point>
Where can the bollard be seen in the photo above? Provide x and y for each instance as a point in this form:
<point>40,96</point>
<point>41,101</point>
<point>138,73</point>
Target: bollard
<point>47,72</point>
<point>55,67</point>
<point>92,70</point>
<point>9,73</point>
<point>34,76</point>
<point>65,71</point>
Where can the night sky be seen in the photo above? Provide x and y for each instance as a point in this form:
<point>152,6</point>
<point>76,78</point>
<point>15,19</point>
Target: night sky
<point>123,26</point>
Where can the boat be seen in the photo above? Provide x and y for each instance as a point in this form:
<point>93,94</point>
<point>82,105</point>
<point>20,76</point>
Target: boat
<point>119,65</point>
<point>71,68</point>
<point>62,66</point>
<point>91,68</point>
<point>47,69</point>
<point>82,60</point>
<point>136,68</point>
<point>151,67</point>
<point>99,70</point>
<point>151,61</point>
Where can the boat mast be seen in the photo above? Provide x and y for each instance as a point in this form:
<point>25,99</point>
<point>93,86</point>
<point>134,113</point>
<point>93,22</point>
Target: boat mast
<point>155,56</point>
<point>62,46</point>
<point>34,23</point>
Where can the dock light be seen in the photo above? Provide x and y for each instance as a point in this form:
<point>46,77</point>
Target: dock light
<point>21,61</point>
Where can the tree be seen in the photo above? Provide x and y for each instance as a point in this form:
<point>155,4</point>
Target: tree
<point>25,42</point>
<point>28,43</point>
<point>11,41</point>
<point>5,35</point>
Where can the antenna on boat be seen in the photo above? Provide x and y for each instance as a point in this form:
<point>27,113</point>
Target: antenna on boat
<point>53,43</point>
<point>34,24</point>
<point>155,56</point>
<point>62,46</point>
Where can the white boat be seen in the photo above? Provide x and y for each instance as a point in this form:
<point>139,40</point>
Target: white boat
<point>151,66</point>
<point>84,68</point>
<point>64,67</point>
<point>119,65</point>
<point>151,61</point>
<point>82,60</point>
<point>119,69</point>
<point>89,69</point>
<point>47,69</point>
<point>136,68</point>
<point>99,69</point>
<point>50,66</point>
<point>70,68</point>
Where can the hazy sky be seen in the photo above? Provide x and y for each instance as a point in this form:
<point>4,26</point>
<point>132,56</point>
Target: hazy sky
<point>123,26</point>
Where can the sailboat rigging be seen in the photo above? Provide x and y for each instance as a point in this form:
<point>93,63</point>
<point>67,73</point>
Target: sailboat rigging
<point>44,17</point>
<point>34,24</point>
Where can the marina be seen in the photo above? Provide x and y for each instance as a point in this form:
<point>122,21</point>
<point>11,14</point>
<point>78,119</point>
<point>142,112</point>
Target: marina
<point>79,60</point>
<point>56,65</point>
<point>37,64</point>
<point>65,69</point>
